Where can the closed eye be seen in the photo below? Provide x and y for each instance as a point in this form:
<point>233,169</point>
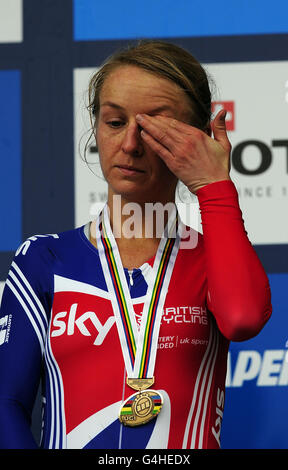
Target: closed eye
<point>115,124</point>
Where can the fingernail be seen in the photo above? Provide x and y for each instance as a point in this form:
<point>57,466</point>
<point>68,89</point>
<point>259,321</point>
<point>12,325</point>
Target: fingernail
<point>224,115</point>
<point>139,118</point>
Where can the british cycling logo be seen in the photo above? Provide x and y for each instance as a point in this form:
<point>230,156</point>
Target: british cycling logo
<point>5,325</point>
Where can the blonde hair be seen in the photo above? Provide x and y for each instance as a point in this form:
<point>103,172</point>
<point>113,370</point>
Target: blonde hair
<point>165,60</point>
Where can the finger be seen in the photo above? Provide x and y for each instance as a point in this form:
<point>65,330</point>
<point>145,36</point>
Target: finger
<point>157,147</point>
<point>219,129</point>
<point>175,124</point>
<point>165,131</point>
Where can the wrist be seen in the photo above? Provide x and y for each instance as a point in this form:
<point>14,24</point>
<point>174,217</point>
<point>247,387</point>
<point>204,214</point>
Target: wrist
<point>194,188</point>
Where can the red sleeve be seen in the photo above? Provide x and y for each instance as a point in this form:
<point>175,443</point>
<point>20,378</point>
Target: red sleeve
<point>238,288</point>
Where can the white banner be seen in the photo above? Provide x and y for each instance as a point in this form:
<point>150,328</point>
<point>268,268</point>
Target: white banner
<point>11,22</point>
<point>256,97</point>
<point>256,94</point>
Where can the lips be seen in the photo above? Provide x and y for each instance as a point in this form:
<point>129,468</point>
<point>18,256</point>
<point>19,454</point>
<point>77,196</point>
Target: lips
<point>129,169</point>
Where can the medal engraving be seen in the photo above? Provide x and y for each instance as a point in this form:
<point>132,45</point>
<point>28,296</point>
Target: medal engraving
<point>140,384</point>
<point>140,408</point>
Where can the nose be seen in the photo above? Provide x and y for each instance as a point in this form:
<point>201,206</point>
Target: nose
<point>132,142</point>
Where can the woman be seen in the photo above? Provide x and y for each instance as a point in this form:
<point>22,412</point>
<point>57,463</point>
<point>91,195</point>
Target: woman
<point>130,331</point>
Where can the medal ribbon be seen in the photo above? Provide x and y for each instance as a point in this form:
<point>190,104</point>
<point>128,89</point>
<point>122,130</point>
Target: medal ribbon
<point>152,309</point>
<point>119,293</point>
<point>139,348</point>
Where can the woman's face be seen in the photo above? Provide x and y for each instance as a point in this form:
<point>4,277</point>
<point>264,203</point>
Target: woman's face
<point>130,167</point>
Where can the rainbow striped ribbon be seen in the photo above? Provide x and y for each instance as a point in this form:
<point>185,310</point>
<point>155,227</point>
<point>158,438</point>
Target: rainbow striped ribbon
<point>119,292</point>
<point>152,309</point>
<point>139,347</point>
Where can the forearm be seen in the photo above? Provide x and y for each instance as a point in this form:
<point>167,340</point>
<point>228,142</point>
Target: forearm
<point>238,288</point>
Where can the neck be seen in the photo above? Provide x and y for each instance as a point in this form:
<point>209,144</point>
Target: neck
<point>136,222</point>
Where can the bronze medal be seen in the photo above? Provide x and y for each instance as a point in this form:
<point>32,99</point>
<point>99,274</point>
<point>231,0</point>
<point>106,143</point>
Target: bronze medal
<point>141,407</point>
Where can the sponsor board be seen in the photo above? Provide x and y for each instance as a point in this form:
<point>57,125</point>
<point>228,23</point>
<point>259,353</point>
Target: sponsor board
<point>256,410</point>
<point>90,187</point>
<point>268,369</point>
<point>255,414</point>
<point>256,98</point>
<point>11,29</point>
<point>257,113</point>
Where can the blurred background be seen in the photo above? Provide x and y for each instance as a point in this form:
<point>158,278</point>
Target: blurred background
<point>48,51</point>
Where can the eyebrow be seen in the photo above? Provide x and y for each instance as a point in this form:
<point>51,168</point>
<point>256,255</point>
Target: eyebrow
<point>157,110</point>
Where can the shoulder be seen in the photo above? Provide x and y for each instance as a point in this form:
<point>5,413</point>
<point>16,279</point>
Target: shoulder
<point>32,245</point>
<point>37,244</point>
<point>34,265</point>
<point>39,253</point>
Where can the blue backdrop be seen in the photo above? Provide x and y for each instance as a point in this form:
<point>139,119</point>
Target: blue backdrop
<point>186,18</point>
<point>11,163</point>
<point>37,152</point>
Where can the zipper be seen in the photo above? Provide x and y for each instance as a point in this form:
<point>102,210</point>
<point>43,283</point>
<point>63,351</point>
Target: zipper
<point>130,273</point>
